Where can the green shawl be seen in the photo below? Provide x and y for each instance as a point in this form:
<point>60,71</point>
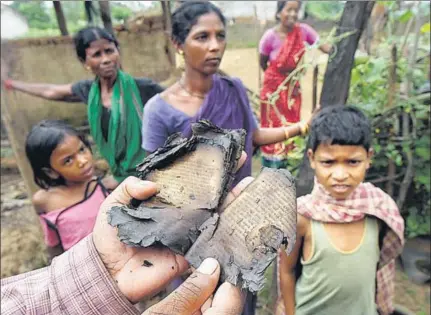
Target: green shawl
<point>123,149</point>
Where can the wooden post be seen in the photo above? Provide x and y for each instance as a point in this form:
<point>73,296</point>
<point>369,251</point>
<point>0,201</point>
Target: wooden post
<point>167,25</point>
<point>105,14</point>
<point>337,76</point>
<point>335,90</point>
<point>258,35</point>
<point>16,126</point>
<point>315,79</point>
<point>90,11</point>
<point>61,20</point>
<point>391,97</point>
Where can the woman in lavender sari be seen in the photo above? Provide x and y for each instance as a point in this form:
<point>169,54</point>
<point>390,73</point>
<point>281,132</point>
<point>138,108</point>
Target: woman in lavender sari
<point>199,35</point>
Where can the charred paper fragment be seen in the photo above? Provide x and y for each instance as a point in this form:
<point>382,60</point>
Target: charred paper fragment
<point>248,233</point>
<point>194,175</point>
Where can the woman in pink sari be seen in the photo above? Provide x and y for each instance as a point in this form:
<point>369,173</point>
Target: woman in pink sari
<point>281,50</point>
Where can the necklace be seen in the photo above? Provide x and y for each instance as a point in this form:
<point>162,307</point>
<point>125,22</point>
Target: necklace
<point>188,92</point>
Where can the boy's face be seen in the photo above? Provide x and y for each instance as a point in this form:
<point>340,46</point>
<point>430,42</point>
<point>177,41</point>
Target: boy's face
<point>340,168</point>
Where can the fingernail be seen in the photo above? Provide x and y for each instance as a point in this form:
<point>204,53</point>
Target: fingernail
<point>208,266</point>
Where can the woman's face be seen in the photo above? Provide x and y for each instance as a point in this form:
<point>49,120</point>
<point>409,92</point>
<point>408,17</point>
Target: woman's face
<point>103,58</point>
<point>289,15</point>
<point>205,44</point>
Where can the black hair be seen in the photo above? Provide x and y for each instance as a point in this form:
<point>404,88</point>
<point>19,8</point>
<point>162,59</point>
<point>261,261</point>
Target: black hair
<point>187,15</point>
<point>86,36</point>
<point>340,125</point>
<point>280,7</point>
<point>41,141</point>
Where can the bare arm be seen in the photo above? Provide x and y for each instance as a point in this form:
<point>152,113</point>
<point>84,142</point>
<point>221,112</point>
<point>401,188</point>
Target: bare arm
<point>55,92</point>
<point>288,266</point>
<point>263,61</point>
<point>326,48</point>
<point>39,203</point>
<point>263,136</point>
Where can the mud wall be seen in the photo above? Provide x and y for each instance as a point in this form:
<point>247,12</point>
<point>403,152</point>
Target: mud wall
<point>53,60</point>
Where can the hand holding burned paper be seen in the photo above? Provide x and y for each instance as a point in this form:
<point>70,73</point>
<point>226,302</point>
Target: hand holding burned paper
<point>194,176</point>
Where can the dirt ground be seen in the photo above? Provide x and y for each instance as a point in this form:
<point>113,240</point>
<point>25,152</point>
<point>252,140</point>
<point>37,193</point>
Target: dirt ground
<point>22,247</point>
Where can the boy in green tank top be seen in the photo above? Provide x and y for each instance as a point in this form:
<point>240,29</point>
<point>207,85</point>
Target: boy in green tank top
<point>348,232</point>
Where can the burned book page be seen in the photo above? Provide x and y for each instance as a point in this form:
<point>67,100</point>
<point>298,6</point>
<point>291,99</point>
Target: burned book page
<point>247,234</point>
<point>196,173</point>
<point>193,176</point>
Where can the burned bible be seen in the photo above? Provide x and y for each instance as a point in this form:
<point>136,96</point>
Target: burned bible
<point>194,176</point>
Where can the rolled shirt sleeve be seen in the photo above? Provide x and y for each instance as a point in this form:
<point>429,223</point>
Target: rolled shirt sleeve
<point>76,282</point>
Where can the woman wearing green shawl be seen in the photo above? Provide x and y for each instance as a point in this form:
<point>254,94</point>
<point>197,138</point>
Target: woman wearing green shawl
<point>115,100</point>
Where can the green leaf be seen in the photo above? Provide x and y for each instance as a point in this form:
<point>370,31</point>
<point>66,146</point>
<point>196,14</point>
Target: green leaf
<point>412,222</point>
<point>423,153</point>
<point>399,160</point>
<point>424,180</point>
<point>390,147</point>
<point>377,148</point>
<point>406,16</point>
<point>356,77</point>
<point>426,28</point>
<point>359,60</point>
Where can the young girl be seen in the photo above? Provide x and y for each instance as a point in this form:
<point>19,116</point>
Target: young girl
<point>70,197</point>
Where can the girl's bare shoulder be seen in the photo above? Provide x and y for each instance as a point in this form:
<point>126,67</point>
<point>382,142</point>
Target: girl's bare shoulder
<point>48,200</point>
<point>40,200</point>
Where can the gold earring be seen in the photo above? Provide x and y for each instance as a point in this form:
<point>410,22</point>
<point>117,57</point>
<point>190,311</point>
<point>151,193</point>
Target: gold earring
<point>87,68</point>
<point>181,52</point>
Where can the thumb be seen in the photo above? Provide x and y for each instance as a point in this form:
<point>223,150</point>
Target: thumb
<point>192,294</point>
<point>228,299</point>
<point>131,188</point>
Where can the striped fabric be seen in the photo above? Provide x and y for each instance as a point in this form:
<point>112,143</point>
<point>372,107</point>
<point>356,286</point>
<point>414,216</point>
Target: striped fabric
<point>76,282</point>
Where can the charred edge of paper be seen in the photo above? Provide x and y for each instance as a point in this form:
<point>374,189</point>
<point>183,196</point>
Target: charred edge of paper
<point>245,274</point>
